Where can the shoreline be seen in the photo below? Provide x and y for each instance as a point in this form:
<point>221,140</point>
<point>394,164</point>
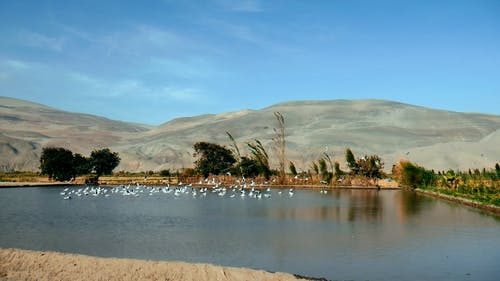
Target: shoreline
<point>492,209</point>
<point>474,204</point>
<point>14,184</point>
<point>313,187</point>
<point>17,264</point>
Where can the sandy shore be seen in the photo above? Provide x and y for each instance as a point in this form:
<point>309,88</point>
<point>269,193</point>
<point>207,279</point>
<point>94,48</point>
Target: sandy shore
<point>18,264</point>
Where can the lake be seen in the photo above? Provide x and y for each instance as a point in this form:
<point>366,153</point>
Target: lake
<point>341,235</point>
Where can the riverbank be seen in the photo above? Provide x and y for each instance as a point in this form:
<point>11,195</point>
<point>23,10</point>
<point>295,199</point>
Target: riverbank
<point>478,205</point>
<point>18,264</point>
<point>383,184</point>
<point>33,184</point>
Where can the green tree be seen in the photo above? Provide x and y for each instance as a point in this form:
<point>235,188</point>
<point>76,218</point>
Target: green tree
<point>370,166</point>
<point>292,168</point>
<point>248,167</point>
<point>103,161</point>
<point>165,173</point>
<point>236,150</point>
<point>323,170</point>
<point>81,165</point>
<point>338,171</point>
<point>351,161</point>
<point>213,158</point>
<point>315,167</point>
<point>57,163</point>
<point>497,169</point>
<point>260,155</point>
<point>411,175</point>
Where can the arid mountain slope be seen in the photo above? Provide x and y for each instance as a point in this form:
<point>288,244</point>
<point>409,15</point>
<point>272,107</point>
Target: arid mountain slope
<point>434,138</point>
<point>26,127</point>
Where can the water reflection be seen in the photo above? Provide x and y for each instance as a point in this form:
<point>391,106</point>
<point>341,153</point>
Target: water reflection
<point>412,204</point>
<point>343,235</point>
<point>365,206</point>
<point>338,205</point>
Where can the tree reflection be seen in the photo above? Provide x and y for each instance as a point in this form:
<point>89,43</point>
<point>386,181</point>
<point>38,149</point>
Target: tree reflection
<point>412,204</point>
<point>364,205</point>
<point>348,205</point>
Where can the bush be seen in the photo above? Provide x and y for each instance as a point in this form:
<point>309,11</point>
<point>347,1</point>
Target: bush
<point>62,165</point>
<point>411,175</point>
<point>57,163</point>
<point>213,159</point>
<point>165,173</point>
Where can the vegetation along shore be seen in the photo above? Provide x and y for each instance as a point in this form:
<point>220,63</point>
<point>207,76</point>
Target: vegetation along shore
<point>250,165</point>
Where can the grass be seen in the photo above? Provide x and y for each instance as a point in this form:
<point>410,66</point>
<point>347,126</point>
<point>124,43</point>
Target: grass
<point>479,186</point>
<point>488,194</point>
<point>23,177</point>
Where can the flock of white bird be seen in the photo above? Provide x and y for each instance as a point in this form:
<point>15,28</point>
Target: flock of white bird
<point>243,191</point>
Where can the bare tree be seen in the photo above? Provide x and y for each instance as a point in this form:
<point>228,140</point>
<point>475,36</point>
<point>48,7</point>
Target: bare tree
<point>279,141</point>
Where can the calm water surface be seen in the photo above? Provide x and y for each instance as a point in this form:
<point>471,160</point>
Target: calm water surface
<point>343,235</point>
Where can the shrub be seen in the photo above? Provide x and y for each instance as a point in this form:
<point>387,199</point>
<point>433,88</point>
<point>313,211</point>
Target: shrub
<point>165,173</point>
<point>411,175</point>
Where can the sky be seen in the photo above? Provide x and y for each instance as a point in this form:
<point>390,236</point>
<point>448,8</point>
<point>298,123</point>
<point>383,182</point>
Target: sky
<point>152,61</point>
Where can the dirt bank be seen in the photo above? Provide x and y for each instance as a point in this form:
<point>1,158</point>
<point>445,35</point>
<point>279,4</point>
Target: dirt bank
<point>18,264</point>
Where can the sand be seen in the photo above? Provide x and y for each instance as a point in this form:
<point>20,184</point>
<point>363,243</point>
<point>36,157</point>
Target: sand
<point>18,264</point>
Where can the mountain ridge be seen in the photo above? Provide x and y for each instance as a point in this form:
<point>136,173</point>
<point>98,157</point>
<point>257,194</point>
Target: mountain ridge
<point>436,139</point>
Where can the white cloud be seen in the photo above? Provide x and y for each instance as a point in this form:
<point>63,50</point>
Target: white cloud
<point>255,35</point>
<point>140,41</point>
<point>127,88</point>
<point>189,68</point>
<point>38,40</point>
<point>16,65</point>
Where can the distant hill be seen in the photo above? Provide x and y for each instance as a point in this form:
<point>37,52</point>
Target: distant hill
<point>436,139</point>
<point>26,127</point>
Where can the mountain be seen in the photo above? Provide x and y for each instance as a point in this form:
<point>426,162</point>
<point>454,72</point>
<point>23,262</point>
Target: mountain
<point>26,127</point>
<point>436,139</point>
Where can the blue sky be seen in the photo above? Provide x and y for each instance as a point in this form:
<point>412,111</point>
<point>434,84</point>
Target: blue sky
<point>151,61</point>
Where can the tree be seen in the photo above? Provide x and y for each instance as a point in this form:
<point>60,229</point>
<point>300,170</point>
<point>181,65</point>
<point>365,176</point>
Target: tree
<point>370,166</point>
<point>292,168</point>
<point>351,161</point>
<point>248,167</point>
<point>411,175</point>
<point>497,169</point>
<point>104,161</point>
<point>213,158</point>
<point>338,171</point>
<point>57,163</point>
<point>81,165</point>
<point>260,155</point>
<point>315,167</point>
<point>280,143</point>
<point>323,169</point>
<point>236,150</point>
<point>165,173</point>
